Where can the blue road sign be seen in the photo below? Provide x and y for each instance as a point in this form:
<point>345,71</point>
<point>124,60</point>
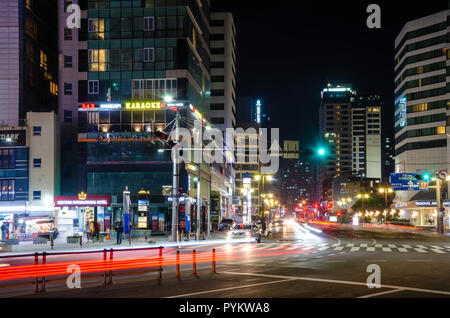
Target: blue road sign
<point>407,182</point>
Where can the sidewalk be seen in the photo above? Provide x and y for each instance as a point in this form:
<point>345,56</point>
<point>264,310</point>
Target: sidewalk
<point>60,245</point>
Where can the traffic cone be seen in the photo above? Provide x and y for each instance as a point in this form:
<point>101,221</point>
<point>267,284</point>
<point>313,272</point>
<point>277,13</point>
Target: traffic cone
<point>108,237</point>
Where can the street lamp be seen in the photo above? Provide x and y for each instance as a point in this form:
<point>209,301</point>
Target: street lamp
<point>385,191</point>
<point>362,197</point>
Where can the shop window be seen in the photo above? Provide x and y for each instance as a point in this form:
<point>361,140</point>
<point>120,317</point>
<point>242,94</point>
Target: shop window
<point>7,190</point>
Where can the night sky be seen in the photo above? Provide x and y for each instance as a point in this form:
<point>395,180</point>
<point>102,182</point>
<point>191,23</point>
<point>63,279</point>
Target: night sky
<point>287,51</point>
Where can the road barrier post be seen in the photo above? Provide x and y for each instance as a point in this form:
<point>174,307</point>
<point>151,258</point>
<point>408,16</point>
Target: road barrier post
<point>194,263</point>
<point>214,260</point>
<point>160,266</point>
<point>44,262</point>
<point>36,278</point>
<point>105,275</point>
<point>178,266</point>
<point>52,242</point>
<point>81,241</point>
<point>111,256</point>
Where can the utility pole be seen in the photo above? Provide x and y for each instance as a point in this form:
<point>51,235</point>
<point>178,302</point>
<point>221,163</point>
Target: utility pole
<point>440,207</point>
<point>175,185</point>
<point>199,203</point>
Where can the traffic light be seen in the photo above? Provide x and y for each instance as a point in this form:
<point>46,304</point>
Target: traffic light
<point>423,177</point>
<point>339,214</point>
<point>321,152</point>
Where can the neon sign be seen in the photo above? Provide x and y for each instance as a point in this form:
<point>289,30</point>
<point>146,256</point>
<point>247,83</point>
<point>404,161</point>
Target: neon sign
<point>145,105</point>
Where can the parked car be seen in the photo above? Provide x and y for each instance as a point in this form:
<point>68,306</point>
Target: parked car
<point>226,224</point>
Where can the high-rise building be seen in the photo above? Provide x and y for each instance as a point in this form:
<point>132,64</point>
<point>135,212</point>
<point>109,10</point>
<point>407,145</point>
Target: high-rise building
<point>223,70</point>
<point>389,158</point>
<point>350,126</point>
<point>28,59</point>
<point>335,120</point>
<point>296,176</point>
<point>421,96</point>
<point>252,110</point>
<point>366,137</point>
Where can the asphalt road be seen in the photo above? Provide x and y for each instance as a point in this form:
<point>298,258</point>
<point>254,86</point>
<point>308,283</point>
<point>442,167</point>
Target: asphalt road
<point>297,262</point>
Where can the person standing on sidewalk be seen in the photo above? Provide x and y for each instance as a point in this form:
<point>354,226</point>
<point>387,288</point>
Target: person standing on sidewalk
<point>97,230</point>
<point>119,230</point>
<point>4,231</point>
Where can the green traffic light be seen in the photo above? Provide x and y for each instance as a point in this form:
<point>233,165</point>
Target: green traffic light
<point>426,176</point>
<point>321,152</point>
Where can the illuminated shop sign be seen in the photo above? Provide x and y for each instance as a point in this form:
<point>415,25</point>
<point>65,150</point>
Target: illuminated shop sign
<point>103,106</point>
<point>90,201</point>
<point>197,114</point>
<point>145,105</point>
<point>12,138</point>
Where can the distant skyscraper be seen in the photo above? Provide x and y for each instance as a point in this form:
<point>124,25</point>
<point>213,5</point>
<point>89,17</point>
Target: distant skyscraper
<point>251,109</point>
<point>389,158</point>
<point>422,96</point>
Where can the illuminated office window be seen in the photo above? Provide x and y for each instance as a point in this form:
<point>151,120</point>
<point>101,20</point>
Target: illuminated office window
<point>440,130</point>
<point>43,59</point>
<point>98,60</point>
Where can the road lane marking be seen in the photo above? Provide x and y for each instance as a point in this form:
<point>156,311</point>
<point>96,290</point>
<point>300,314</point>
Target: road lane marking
<point>354,249</point>
<point>371,249</point>
<point>403,250</point>
<point>419,260</point>
<point>324,248</point>
<point>437,247</point>
<point>382,293</point>
<point>339,248</point>
<point>350,245</point>
<point>437,251</point>
<point>322,280</point>
<point>378,245</point>
<point>363,245</point>
<point>392,246</point>
<point>386,249</point>
<point>407,246</point>
<point>231,288</point>
<point>376,260</point>
<point>420,250</point>
<point>335,262</point>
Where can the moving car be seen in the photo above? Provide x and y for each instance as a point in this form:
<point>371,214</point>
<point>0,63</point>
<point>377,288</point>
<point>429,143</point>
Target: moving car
<point>242,231</point>
<point>226,224</point>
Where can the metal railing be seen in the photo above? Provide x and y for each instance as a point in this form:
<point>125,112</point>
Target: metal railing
<point>40,281</point>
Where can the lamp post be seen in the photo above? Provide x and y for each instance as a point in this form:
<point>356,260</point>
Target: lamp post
<point>362,197</point>
<point>385,191</point>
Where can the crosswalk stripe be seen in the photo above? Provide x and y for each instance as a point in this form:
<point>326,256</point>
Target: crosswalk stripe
<point>324,248</point>
<point>420,250</point>
<point>371,249</point>
<point>403,250</point>
<point>437,247</point>
<point>386,249</point>
<point>354,249</point>
<point>378,245</point>
<point>437,251</point>
<point>350,245</point>
<point>363,245</point>
<point>339,248</point>
<point>407,246</point>
<point>392,246</point>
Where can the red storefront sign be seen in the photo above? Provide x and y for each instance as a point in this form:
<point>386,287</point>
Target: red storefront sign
<point>83,201</point>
